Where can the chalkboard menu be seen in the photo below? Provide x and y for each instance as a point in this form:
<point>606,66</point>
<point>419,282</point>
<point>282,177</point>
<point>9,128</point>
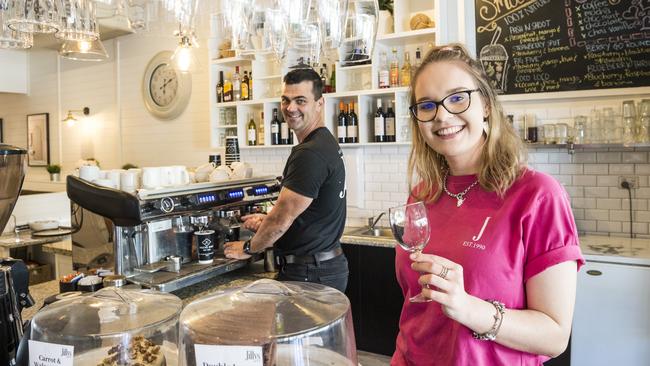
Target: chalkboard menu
<point>534,46</point>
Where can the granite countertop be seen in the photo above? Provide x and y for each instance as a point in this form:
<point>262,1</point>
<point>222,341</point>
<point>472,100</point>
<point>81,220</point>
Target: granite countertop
<point>240,277</point>
<point>25,239</point>
<point>63,247</point>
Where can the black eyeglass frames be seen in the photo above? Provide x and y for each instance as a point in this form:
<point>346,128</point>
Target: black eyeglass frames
<point>455,103</point>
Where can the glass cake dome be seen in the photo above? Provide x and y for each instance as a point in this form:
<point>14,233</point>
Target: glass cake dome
<point>271,323</point>
<point>112,326</point>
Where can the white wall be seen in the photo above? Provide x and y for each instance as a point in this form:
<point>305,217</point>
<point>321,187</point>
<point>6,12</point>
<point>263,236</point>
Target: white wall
<point>119,129</point>
<point>14,75</point>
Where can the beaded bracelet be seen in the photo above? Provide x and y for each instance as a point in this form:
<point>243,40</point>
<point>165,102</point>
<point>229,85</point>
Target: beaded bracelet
<point>491,334</point>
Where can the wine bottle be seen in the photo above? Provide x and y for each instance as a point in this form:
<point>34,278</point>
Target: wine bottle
<point>323,79</point>
<point>244,87</point>
<point>260,131</point>
<point>220,88</point>
<point>384,75</point>
<point>380,123</point>
<point>341,130</point>
<point>390,123</point>
<point>252,131</point>
<point>284,132</point>
<point>394,69</point>
<point>333,79</point>
<point>326,84</point>
<point>227,89</point>
<point>236,84</point>
<point>275,128</point>
<point>353,125</point>
<point>405,76</point>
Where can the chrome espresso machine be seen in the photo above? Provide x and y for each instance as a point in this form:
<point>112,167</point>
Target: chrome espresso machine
<point>148,236</point>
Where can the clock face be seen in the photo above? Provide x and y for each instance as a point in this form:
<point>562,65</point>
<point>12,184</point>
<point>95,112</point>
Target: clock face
<point>163,85</point>
<point>165,91</point>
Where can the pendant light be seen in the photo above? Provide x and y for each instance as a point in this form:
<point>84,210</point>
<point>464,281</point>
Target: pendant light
<point>84,50</point>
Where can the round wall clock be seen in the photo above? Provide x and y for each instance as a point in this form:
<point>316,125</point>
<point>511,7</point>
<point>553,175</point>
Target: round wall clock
<point>165,91</point>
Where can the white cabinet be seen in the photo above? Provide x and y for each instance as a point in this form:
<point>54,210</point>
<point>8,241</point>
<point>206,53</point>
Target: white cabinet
<point>611,324</point>
<point>13,78</point>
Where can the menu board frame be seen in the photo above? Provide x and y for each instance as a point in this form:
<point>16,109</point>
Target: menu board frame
<point>537,47</point>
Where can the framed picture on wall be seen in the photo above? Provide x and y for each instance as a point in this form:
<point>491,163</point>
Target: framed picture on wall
<point>2,130</point>
<point>38,139</point>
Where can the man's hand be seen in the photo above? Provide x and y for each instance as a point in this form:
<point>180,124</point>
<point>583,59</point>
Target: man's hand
<point>252,222</point>
<point>235,250</point>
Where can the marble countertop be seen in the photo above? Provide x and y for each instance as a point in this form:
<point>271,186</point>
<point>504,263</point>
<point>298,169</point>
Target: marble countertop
<point>594,247</point>
<point>240,277</point>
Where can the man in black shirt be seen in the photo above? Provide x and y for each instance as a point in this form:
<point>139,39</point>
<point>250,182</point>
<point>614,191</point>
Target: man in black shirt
<point>308,218</point>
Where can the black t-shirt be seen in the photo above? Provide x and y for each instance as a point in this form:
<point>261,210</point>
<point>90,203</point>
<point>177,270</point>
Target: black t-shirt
<point>315,169</point>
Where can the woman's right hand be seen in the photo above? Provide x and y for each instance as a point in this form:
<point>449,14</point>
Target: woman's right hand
<point>252,222</point>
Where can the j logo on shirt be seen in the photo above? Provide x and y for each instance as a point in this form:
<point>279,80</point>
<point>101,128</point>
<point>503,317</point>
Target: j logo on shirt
<point>474,242</point>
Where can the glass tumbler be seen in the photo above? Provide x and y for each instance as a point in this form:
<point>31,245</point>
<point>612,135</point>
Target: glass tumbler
<point>580,127</point>
<point>549,134</point>
<point>561,133</point>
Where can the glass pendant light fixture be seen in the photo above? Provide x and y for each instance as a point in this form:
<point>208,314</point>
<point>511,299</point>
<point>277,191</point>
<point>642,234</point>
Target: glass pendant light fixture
<point>35,16</point>
<point>84,50</point>
<point>184,60</point>
<point>79,22</point>
<point>9,38</point>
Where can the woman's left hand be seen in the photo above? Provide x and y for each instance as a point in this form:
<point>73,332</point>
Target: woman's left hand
<point>445,285</point>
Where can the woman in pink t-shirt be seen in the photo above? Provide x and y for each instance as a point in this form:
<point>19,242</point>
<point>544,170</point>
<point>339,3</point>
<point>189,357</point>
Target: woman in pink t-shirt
<point>502,259</point>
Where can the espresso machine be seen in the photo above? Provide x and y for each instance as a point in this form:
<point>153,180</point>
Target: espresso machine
<point>148,236</point>
<point>14,277</point>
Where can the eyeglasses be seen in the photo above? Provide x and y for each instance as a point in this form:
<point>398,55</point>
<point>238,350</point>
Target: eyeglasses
<point>455,103</point>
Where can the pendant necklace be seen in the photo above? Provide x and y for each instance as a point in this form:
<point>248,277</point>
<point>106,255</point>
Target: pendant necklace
<point>460,197</point>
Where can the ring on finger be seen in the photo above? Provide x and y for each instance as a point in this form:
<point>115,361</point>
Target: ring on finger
<point>443,273</point>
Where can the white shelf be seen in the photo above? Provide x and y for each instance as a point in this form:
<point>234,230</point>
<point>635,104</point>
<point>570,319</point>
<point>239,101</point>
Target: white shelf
<point>269,77</point>
<point>230,61</point>
<point>351,68</point>
<point>362,144</point>
<point>226,126</point>
<point>246,147</point>
<point>356,93</point>
<point>564,95</point>
<point>399,39</point>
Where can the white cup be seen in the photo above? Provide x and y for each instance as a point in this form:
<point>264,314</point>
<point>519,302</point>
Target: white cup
<point>220,175</point>
<point>115,175</point>
<point>138,173</point>
<point>166,178</point>
<point>129,181</point>
<point>241,170</point>
<point>103,174</point>
<point>89,172</point>
<point>179,176</point>
<point>151,178</point>
<point>105,183</point>
<point>202,173</point>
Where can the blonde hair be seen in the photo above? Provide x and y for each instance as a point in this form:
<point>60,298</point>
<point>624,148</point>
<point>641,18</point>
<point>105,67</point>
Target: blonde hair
<point>503,154</point>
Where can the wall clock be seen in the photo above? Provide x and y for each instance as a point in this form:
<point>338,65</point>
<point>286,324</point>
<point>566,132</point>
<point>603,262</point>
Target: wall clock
<point>165,91</point>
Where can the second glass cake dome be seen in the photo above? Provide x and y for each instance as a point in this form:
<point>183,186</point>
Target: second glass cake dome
<point>282,323</point>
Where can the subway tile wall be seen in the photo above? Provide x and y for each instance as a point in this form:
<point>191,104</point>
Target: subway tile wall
<point>590,176</point>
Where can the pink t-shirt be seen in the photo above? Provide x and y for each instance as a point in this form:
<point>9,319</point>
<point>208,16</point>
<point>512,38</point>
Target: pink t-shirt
<point>501,243</point>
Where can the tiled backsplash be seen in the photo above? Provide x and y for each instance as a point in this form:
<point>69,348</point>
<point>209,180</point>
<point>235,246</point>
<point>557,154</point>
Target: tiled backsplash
<point>590,176</point>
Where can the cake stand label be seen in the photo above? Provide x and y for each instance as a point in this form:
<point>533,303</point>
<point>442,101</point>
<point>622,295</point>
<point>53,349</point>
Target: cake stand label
<point>50,354</point>
<point>211,355</point>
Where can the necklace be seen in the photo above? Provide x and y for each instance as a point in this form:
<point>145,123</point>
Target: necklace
<point>460,197</point>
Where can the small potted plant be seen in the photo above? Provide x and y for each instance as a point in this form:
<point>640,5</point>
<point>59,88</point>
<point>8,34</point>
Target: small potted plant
<point>128,166</point>
<point>55,171</point>
<point>385,21</point>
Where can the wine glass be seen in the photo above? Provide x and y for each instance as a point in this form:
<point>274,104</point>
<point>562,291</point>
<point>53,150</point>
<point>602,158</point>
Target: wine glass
<point>410,228</point>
